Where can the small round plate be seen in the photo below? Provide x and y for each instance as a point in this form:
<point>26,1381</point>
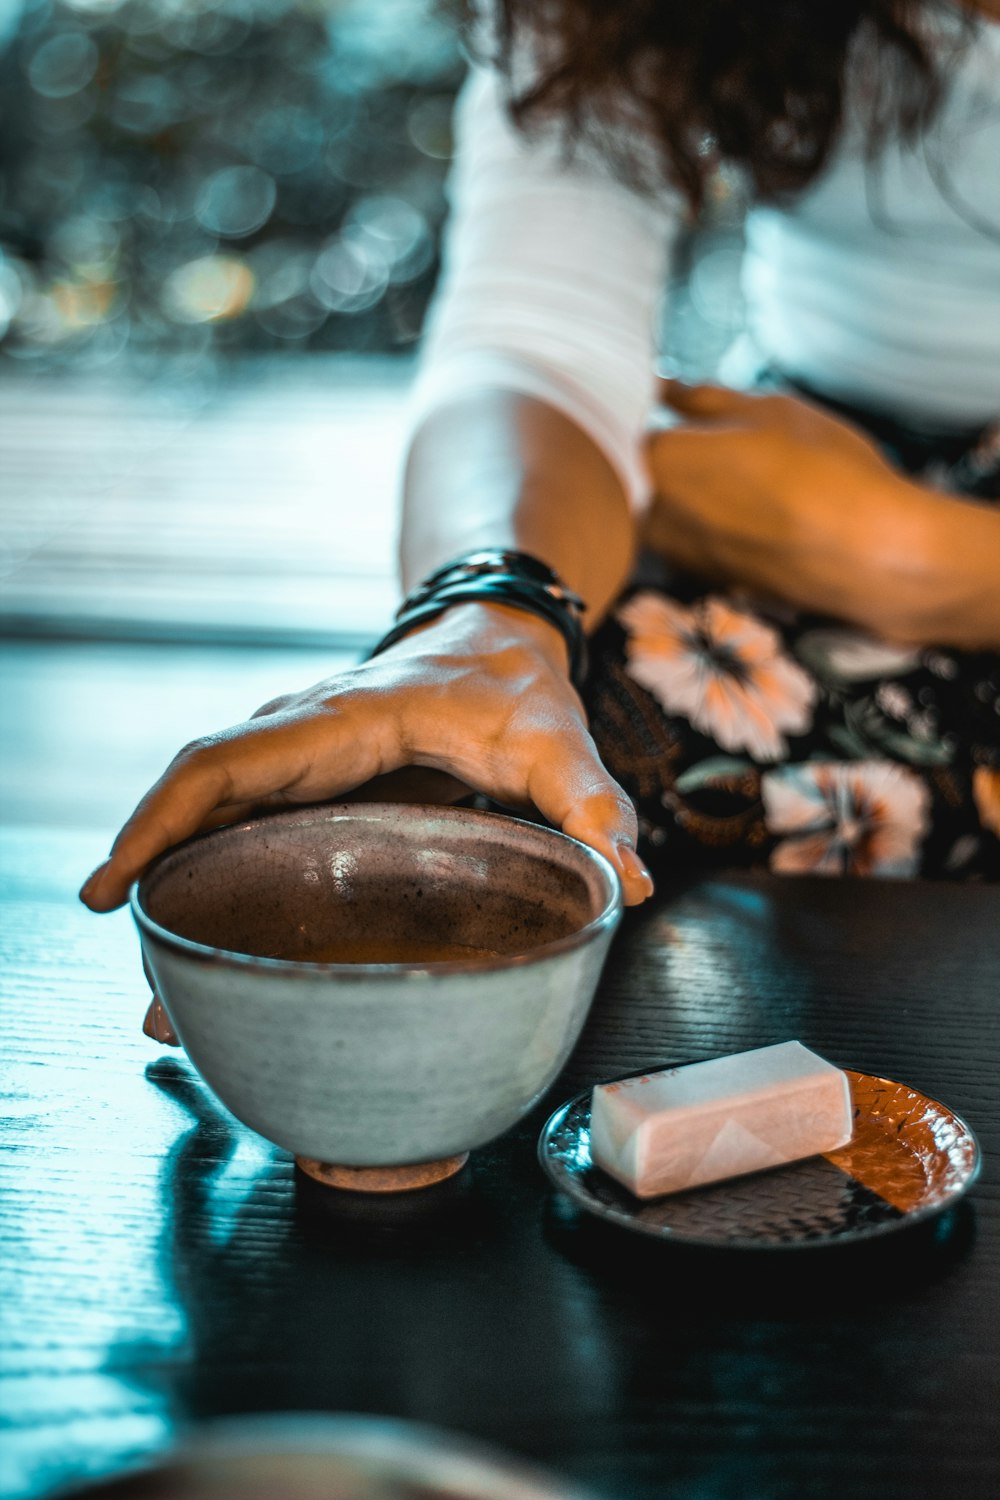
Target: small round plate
<point>909,1159</point>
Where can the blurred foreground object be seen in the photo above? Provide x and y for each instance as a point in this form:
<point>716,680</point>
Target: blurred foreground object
<point>314,1457</point>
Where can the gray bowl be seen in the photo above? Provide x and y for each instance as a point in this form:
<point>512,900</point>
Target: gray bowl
<point>378,1075</point>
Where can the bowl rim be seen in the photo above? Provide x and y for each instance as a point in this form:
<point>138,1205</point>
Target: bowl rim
<point>608,916</point>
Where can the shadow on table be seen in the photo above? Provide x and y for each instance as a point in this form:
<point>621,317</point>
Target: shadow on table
<point>768,1282</point>
<point>297,1296</point>
<point>318,1213</point>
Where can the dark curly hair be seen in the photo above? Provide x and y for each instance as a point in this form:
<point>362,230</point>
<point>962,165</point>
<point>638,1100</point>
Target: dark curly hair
<point>757,83</point>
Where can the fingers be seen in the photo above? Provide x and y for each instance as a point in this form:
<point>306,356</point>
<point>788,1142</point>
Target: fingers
<point>325,748</point>
<point>237,812</point>
<point>538,753</point>
<point>692,461</point>
<point>157,1025</point>
<point>710,408</point>
<point>712,404</point>
<point>93,892</point>
<point>703,402</point>
<point>176,807</point>
<point>268,760</point>
<point>675,533</point>
<point>573,790</point>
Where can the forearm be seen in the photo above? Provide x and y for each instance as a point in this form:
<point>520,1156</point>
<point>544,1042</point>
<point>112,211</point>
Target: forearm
<point>770,492</point>
<point>948,576</point>
<point>497,469</point>
<point>916,565</point>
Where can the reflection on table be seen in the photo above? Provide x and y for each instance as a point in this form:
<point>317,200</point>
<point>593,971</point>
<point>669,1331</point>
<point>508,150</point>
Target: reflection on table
<point>163,1266</point>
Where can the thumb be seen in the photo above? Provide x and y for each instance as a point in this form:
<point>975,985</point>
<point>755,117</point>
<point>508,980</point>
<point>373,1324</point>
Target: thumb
<point>574,791</point>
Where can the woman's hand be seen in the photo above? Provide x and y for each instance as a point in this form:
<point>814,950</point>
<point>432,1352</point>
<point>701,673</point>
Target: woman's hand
<point>770,492</point>
<point>481,693</point>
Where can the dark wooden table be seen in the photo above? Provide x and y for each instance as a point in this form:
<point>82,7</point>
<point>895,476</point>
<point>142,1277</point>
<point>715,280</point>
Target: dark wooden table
<point>162,1266</point>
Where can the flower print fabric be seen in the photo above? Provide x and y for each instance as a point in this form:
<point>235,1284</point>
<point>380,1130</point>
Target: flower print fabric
<point>721,668</point>
<point>750,733</point>
<point>860,818</point>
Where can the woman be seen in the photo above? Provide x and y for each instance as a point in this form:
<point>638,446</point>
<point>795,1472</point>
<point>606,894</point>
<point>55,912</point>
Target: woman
<point>870,135</point>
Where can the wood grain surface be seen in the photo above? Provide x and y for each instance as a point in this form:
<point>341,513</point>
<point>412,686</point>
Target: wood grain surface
<point>162,1266</point>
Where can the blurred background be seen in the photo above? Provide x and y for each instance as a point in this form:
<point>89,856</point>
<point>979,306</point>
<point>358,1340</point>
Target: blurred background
<point>183,181</point>
<point>187,180</point>
<point>219,229</point>
<point>205,203</point>
<point>219,232</point>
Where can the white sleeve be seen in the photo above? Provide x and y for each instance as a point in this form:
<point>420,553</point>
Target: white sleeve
<point>551,279</point>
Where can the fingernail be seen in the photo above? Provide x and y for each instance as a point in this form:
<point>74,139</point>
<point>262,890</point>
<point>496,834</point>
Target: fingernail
<point>632,865</point>
<point>92,881</point>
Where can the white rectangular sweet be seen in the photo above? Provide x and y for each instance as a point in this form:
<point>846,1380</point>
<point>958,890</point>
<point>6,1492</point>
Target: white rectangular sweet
<point>663,1132</point>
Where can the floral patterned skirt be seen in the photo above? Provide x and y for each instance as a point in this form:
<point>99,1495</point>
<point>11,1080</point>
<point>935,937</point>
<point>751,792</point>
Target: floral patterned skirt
<point>754,734</point>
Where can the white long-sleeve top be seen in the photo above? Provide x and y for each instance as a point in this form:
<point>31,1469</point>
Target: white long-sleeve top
<point>880,284</point>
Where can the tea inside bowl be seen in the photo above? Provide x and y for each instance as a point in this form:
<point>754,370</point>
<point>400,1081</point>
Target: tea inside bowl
<point>404,891</point>
<point>374,949</point>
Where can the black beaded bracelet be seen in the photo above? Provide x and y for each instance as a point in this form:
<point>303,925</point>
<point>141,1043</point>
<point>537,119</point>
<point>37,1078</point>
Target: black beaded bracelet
<point>501,577</point>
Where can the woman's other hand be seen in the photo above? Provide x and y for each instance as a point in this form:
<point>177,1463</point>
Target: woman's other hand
<point>481,693</point>
<point>770,492</point>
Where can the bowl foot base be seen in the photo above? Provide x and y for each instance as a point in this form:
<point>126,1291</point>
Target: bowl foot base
<point>382,1179</point>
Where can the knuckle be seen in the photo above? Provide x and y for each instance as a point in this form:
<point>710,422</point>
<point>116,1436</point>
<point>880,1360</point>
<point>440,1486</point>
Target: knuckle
<point>600,799</point>
<point>196,750</point>
<point>612,805</point>
<point>273,706</point>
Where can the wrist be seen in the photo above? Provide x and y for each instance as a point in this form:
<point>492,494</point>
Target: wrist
<point>480,627</point>
<point>518,580</point>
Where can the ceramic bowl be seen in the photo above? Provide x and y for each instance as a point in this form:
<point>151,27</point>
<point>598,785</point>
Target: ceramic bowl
<point>378,1074</point>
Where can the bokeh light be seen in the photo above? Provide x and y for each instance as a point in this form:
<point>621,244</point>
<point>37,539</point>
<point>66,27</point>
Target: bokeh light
<point>63,64</point>
<point>184,179</point>
<point>209,289</point>
<point>236,201</point>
